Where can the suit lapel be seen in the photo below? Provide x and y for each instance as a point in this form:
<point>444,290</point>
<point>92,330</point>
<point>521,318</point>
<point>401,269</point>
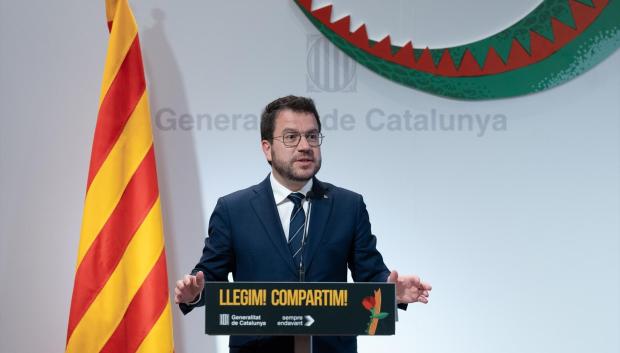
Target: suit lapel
<point>319,217</point>
<point>265,207</point>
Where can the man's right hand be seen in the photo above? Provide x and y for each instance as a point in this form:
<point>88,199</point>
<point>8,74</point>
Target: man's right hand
<point>188,288</point>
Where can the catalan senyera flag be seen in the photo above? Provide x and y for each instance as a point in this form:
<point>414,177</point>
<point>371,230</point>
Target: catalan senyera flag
<point>120,297</point>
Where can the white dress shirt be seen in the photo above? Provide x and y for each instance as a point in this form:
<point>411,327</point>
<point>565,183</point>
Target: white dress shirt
<point>284,205</point>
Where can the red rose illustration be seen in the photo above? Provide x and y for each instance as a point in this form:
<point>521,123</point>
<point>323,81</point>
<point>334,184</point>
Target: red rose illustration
<point>368,303</point>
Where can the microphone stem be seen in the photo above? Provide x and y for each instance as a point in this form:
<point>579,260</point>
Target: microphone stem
<point>302,270</point>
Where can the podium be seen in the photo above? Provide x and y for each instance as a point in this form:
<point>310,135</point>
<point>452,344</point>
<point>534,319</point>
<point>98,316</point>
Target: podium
<point>299,309</point>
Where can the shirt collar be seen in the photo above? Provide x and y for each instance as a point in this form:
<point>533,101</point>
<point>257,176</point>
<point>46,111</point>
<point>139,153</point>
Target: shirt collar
<point>281,192</point>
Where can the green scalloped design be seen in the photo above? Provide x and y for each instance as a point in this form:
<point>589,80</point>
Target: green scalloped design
<point>557,41</point>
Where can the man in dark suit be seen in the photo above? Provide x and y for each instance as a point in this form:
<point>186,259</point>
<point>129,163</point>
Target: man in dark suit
<point>292,227</point>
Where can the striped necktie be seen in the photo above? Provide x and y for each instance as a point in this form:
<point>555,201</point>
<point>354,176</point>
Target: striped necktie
<point>296,227</point>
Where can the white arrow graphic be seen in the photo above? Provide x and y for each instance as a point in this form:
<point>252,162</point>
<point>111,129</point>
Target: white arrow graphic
<point>309,320</point>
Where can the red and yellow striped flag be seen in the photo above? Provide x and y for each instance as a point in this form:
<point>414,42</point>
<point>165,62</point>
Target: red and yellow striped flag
<point>120,297</point>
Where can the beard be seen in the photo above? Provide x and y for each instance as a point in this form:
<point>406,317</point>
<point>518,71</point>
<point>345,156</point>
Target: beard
<point>288,170</point>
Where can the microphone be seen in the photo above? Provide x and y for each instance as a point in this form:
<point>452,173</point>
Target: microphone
<point>311,195</point>
<point>315,194</point>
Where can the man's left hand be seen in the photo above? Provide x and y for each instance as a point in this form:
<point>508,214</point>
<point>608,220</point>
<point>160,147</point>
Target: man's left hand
<point>409,289</point>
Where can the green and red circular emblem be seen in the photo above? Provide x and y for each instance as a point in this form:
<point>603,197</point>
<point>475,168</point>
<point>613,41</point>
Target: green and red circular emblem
<point>557,41</point>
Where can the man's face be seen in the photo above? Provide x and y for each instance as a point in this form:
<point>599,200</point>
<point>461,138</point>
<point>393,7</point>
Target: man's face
<point>293,166</point>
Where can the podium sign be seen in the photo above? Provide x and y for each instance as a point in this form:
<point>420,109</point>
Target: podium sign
<point>299,308</point>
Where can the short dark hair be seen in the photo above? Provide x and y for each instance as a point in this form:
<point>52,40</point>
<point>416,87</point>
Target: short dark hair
<point>294,103</point>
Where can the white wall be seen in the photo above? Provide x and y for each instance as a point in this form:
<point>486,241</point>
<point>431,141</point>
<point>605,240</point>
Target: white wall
<point>517,228</point>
